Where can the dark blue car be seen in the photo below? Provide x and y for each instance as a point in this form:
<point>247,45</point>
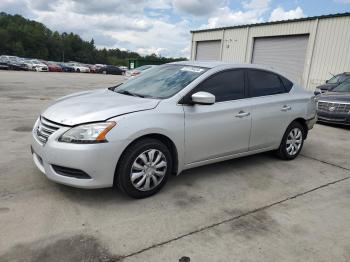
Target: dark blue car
<point>66,68</point>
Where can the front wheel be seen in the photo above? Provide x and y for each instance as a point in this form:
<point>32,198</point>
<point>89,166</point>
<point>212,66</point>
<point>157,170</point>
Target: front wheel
<point>292,141</point>
<point>144,168</point>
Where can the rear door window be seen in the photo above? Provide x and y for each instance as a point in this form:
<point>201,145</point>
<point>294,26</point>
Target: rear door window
<point>264,83</point>
<point>287,84</point>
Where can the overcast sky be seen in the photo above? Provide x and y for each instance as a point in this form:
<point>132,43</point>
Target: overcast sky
<point>160,26</point>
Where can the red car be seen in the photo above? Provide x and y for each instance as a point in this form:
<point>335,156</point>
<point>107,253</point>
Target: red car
<point>53,67</point>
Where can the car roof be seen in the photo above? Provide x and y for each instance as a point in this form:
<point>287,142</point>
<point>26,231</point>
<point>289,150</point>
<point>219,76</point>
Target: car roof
<point>220,64</point>
<point>202,63</point>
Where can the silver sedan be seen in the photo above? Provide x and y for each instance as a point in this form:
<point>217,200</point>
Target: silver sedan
<point>171,118</point>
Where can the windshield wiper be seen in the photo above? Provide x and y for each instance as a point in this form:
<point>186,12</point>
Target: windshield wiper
<point>112,88</point>
<point>124,92</point>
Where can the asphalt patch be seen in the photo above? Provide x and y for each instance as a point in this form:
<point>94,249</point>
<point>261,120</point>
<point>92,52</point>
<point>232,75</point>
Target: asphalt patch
<point>183,199</point>
<point>72,249</point>
<point>258,224</point>
<point>4,210</point>
<point>23,129</point>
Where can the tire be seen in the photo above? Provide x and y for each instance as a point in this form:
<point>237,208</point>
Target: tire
<point>78,70</point>
<point>152,177</point>
<point>290,150</point>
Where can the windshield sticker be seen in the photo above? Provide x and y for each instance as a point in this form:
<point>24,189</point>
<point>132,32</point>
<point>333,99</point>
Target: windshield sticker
<point>192,69</point>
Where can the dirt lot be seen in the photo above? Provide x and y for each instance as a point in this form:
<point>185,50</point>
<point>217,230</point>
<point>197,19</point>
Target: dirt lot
<point>257,208</point>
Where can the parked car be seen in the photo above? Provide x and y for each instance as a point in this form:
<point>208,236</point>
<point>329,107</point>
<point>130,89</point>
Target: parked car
<point>124,68</point>
<point>29,64</point>
<point>174,117</point>
<point>79,68</point>
<point>13,63</point>
<point>66,68</point>
<point>334,81</point>
<point>334,106</point>
<point>98,66</point>
<point>137,71</point>
<point>110,69</point>
<point>53,66</point>
<point>37,65</point>
<point>92,68</point>
<point>3,64</point>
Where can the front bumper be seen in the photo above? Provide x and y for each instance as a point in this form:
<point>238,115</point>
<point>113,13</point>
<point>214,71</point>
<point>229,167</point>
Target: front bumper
<point>333,118</point>
<point>42,69</point>
<point>97,160</point>
<point>311,122</point>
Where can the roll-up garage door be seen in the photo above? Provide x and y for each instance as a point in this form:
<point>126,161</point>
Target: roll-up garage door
<point>284,53</point>
<point>208,50</point>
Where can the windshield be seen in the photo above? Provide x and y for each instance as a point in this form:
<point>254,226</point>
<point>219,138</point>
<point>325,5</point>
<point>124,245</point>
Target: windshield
<point>344,87</point>
<point>162,81</point>
<point>337,79</point>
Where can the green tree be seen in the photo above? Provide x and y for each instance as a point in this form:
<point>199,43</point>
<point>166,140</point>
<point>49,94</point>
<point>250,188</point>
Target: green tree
<point>26,38</point>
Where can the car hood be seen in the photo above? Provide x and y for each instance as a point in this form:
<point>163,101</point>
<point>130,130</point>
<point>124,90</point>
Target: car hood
<point>335,97</point>
<point>327,86</point>
<point>96,105</point>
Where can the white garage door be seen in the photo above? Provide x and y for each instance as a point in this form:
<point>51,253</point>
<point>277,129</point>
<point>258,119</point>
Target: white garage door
<point>286,54</point>
<point>208,50</point>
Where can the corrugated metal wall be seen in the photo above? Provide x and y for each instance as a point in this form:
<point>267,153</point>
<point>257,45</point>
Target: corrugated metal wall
<point>331,50</point>
<point>285,53</point>
<point>328,48</point>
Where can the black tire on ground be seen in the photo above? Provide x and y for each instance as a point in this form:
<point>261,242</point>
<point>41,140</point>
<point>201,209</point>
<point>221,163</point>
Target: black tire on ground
<point>282,151</point>
<point>124,167</point>
<point>78,70</point>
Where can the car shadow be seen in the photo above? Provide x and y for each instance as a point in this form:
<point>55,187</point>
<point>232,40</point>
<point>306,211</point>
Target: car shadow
<point>100,198</point>
<point>345,127</point>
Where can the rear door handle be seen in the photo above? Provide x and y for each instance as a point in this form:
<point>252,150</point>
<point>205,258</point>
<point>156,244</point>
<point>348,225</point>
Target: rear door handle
<point>286,108</point>
<point>242,114</point>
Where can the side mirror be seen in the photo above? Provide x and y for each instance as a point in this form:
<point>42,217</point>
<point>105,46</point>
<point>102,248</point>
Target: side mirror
<point>317,92</point>
<point>203,98</point>
<point>326,81</point>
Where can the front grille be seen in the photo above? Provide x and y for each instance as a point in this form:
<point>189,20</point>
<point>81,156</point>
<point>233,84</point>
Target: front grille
<point>70,172</point>
<point>333,107</point>
<point>46,128</point>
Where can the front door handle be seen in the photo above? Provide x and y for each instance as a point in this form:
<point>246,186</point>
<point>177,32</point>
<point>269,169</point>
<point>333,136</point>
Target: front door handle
<point>286,108</point>
<point>242,114</point>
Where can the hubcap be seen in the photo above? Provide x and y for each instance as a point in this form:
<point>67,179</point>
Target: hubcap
<point>294,140</point>
<point>148,170</point>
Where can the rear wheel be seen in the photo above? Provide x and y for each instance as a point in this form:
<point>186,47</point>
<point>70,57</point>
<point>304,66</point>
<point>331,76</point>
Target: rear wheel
<point>144,168</point>
<point>292,141</point>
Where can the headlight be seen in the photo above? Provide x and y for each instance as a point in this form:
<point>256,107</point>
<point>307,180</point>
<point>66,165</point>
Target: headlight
<point>86,134</point>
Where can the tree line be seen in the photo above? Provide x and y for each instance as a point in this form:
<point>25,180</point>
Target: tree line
<point>27,38</point>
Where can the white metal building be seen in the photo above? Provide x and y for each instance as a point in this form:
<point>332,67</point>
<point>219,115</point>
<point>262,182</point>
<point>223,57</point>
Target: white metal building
<point>307,50</point>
